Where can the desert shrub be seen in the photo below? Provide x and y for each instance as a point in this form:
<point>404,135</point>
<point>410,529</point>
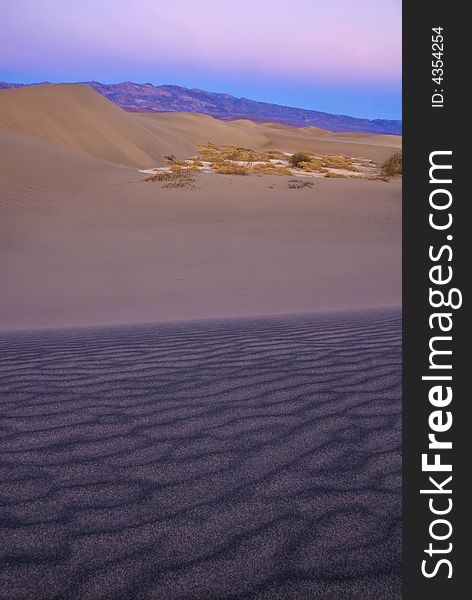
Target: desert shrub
<point>297,184</point>
<point>170,158</point>
<point>300,157</point>
<point>315,165</point>
<point>209,152</point>
<point>271,169</point>
<point>238,153</point>
<point>231,169</point>
<point>331,161</point>
<point>393,165</point>
<point>273,154</point>
<point>172,179</point>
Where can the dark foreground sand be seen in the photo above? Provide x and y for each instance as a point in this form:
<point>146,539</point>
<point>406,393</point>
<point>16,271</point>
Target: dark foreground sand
<point>252,458</point>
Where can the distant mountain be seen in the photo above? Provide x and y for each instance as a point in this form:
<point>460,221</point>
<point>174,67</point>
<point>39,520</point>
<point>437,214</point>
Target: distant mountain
<point>145,97</point>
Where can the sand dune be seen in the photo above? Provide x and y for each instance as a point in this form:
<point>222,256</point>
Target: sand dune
<point>88,242</point>
<point>257,459</point>
<point>182,132</point>
<point>78,118</point>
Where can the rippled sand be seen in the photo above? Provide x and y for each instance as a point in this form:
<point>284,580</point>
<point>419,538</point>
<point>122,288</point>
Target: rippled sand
<point>246,458</point>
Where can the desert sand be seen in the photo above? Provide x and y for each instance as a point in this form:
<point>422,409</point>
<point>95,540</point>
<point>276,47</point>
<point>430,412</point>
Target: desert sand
<point>86,243</point>
<point>160,438</point>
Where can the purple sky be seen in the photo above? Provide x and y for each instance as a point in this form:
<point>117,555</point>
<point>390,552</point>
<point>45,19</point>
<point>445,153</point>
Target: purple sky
<point>334,55</point>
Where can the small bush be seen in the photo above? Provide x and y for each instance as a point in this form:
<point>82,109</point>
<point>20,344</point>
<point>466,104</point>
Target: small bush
<point>170,158</point>
<point>273,154</point>
<point>315,165</point>
<point>271,169</point>
<point>172,179</point>
<point>238,153</point>
<point>393,165</point>
<point>231,169</point>
<point>300,157</point>
<point>338,162</point>
<point>208,152</point>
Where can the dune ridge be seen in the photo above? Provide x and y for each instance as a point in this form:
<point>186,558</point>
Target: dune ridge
<point>249,458</point>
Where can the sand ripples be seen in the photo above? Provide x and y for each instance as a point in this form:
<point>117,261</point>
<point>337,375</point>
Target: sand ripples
<point>254,458</point>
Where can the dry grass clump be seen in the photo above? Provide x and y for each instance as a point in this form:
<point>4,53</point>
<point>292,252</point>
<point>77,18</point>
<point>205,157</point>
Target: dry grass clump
<point>269,168</point>
<point>228,168</point>
<point>273,155</point>
<point>212,153</point>
<point>208,152</point>
<point>239,153</point>
<point>173,179</point>
<point>393,165</point>
<point>300,157</point>
<point>297,184</point>
<point>334,175</point>
<point>310,163</point>
<point>332,161</point>
<point>315,165</point>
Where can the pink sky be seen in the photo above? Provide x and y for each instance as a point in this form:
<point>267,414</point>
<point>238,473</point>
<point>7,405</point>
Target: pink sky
<point>312,44</point>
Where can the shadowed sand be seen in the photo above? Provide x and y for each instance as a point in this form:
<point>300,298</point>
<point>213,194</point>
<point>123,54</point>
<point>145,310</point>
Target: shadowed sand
<point>250,458</point>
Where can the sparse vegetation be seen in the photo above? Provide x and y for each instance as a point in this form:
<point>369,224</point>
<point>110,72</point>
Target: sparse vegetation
<point>229,168</point>
<point>173,179</point>
<point>315,165</point>
<point>300,157</point>
<point>208,152</point>
<point>334,175</point>
<point>273,155</point>
<point>297,184</point>
<point>269,168</point>
<point>310,163</point>
<point>393,165</point>
<point>331,161</point>
<point>238,160</point>
<point>213,153</point>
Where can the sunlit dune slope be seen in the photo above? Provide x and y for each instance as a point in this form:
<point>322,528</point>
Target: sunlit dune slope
<point>78,118</point>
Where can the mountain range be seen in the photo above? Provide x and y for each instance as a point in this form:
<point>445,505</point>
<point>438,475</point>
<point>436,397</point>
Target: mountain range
<point>146,97</point>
